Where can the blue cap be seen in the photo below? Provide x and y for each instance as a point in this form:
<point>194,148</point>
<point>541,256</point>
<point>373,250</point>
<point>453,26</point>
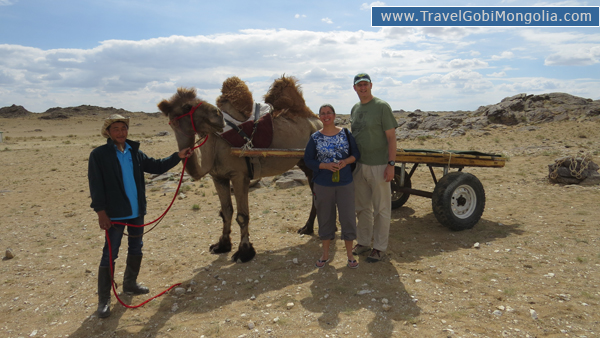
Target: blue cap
<point>362,77</point>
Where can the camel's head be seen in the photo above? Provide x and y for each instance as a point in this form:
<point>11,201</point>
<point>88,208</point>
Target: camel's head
<point>185,120</point>
<point>285,94</point>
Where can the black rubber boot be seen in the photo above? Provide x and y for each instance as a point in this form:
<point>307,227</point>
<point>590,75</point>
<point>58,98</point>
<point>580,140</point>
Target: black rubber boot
<point>130,285</point>
<point>104,286</point>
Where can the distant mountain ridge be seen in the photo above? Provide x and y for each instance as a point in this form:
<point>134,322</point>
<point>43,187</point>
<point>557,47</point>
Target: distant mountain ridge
<point>513,110</point>
<point>58,113</point>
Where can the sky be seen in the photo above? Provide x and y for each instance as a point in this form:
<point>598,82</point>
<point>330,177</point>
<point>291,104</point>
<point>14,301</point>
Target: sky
<point>132,54</point>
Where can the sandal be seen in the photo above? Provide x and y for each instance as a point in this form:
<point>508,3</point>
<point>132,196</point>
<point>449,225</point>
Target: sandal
<point>321,263</point>
<point>352,264</point>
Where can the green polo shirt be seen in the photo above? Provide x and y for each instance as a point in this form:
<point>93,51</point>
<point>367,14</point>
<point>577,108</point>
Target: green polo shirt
<point>369,122</point>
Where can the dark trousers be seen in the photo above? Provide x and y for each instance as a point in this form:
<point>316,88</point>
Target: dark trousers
<point>115,234</point>
<point>326,201</point>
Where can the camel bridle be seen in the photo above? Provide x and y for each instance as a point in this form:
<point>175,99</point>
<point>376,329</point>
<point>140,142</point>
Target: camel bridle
<point>191,114</point>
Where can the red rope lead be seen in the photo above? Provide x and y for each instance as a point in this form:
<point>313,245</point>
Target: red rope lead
<point>112,271</point>
<point>114,288</point>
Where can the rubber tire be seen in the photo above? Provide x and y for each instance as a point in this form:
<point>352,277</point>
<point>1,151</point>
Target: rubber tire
<point>398,198</point>
<point>458,201</point>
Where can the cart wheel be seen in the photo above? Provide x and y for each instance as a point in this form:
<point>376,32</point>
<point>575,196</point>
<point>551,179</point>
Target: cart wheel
<point>399,198</point>
<point>458,201</point>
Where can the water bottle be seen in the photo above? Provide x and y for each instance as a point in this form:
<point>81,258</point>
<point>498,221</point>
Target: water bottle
<point>335,177</point>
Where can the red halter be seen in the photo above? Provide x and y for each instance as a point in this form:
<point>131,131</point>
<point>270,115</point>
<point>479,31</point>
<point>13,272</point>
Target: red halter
<point>191,114</point>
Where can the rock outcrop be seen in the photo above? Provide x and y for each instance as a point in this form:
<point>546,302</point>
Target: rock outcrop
<point>523,108</point>
<point>518,109</point>
<point>14,111</point>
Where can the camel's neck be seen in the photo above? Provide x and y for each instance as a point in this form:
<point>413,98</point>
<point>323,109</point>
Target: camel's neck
<point>202,160</point>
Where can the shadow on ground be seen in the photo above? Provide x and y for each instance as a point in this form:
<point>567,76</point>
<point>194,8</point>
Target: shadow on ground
<point>274,271</point>
<point>335,294</point>
<point>414,238</point>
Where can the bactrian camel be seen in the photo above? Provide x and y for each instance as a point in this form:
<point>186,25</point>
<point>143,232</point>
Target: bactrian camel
<point>293,123</point>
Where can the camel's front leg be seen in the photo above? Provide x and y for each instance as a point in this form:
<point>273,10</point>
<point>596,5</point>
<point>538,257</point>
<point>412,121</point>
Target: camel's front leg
<point>308,228</point>
<point>245,251</point>
<point>223,190</point>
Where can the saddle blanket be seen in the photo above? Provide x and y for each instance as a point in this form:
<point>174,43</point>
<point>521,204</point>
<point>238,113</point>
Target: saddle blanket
<point>261,138</point>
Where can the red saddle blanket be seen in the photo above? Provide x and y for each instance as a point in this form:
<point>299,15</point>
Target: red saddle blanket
<point>263,136</point>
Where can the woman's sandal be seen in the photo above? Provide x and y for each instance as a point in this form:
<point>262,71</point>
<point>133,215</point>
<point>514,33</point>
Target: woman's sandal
<point>352,264</point>
<point>321,263</point>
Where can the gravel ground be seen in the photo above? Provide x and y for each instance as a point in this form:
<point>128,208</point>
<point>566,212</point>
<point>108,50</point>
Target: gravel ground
<point>529,268</point>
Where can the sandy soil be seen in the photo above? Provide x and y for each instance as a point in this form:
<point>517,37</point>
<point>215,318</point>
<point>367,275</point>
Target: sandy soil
<point>535,274</point>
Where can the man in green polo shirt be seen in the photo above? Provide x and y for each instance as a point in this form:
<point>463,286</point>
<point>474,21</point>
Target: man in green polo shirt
<point>374,128</point>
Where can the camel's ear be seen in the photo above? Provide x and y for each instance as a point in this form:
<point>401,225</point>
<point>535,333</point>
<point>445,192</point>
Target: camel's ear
<point>214,118</point>
<point>165,107</point>
<point>221,101</point>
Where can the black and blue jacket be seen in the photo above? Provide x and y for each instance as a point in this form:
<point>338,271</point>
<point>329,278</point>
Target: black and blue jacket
<point>106,179</point>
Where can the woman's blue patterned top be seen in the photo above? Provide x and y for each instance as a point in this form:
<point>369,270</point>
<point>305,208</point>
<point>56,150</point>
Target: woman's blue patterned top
<point>325,149</point>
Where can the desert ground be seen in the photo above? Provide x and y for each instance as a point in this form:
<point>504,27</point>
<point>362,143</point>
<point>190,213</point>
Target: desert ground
<point>535,272</point>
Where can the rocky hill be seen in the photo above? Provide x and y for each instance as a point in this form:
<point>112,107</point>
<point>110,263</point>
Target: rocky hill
<point>59,113</point>
<point>14,111</point>
<point>518,109</point>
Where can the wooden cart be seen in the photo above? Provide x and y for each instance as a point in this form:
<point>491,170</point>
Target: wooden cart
<point>458,199</point>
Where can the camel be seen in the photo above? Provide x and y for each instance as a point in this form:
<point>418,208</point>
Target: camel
<point>293,123</point>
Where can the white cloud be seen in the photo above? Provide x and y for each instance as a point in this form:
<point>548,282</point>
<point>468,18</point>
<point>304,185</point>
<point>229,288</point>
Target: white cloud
<point>318,74</point>
<point>466,64</point>
<point>6,2</point>
<point>455,34</point>
<point>410,69</point>
<point>565,48</point>
<point>536,85</point>
<point>403,34</point>
<point>327,20</point>
<point>146,69</point>
<point>391,54</point>
<point>6,78</point>
<point>390,82</point>
<point>298,16</point>
<point>365,6</point>
<point>427,59</point>
<point>460,80</point>
<point>584,56</point>
<point>503,55</point>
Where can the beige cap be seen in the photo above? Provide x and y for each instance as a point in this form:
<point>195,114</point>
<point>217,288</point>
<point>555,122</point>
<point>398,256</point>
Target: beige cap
<point>112,119</point>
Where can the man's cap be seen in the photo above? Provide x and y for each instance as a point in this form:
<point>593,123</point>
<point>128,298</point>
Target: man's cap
<point>362,77</point>
<point>112,119</point>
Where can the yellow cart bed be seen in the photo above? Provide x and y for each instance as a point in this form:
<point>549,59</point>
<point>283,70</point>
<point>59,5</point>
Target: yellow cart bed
<point>458,199</point>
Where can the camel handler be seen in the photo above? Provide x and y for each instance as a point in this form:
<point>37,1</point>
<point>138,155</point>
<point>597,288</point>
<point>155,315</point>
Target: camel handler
<point>116,178</point>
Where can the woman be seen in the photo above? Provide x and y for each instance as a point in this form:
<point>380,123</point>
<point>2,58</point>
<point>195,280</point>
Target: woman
<point>329,153</point>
